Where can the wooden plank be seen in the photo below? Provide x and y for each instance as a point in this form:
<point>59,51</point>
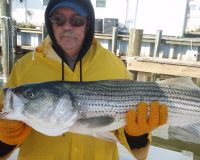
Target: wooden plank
<point>151,39</point>
<point>146,37</point>
<point>183,42</point>
<point>163,68</point>
<point>28,47</point>
<point>24,47</point>
<point>35,32</point>
<point>179,62</point>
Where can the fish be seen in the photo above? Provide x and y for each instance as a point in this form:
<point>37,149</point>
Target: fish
<point>97,107</point>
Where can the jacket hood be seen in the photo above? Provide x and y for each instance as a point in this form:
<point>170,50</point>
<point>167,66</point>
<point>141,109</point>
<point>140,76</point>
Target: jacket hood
<point>87,6</point>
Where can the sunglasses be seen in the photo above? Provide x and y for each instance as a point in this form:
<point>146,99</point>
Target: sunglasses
<point>74,21</point>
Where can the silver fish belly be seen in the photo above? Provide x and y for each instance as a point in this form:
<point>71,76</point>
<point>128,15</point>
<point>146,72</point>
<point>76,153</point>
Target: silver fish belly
<point>56,107</point>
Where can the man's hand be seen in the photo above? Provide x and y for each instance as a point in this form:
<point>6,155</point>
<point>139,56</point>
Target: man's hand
<point>13,132</point>
<point>139,122</point>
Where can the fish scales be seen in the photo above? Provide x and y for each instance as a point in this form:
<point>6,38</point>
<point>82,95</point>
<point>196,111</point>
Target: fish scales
<point>121,93</point>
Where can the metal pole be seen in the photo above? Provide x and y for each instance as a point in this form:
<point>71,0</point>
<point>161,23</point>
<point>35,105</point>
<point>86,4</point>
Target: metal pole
<point>7,46</point>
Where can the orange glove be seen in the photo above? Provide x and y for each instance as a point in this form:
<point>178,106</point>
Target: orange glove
<point>12,132</point>
<point>139,122</point>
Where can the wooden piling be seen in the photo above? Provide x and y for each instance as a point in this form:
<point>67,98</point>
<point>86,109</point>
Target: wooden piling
<point>135,41</point>
<point>134,46</point>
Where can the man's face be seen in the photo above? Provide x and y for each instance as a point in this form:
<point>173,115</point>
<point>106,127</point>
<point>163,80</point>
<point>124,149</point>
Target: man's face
<point>69,30</point>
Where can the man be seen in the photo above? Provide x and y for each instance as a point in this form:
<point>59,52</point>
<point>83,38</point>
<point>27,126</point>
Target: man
<point>71,52</point>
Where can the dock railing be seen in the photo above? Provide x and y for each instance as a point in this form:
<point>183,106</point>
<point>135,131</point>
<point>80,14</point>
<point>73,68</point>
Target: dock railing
<point>154,65</point>
<point>148,57</point>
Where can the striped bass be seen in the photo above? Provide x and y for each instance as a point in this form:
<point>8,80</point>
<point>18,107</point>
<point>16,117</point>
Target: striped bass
<point>56,107</point>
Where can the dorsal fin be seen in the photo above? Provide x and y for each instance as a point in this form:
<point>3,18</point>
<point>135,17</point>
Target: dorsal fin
<point>183,82</point>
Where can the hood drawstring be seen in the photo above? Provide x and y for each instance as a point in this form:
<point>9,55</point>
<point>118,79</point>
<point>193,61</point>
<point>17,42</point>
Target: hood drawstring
<point>81,78</point>
<point>63,73</point>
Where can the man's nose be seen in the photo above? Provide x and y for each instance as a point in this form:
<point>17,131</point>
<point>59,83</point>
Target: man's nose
<point>67,25</point>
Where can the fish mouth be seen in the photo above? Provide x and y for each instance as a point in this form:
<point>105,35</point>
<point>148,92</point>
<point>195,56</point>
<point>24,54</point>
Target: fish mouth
<point>11,103</point>
<point>7,103</point>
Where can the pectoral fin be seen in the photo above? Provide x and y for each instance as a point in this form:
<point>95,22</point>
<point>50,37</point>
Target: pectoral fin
<point>96,122</point>
<point>93,125</point>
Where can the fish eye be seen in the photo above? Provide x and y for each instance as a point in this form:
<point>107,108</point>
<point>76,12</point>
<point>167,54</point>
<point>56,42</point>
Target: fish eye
<point>29,94</point>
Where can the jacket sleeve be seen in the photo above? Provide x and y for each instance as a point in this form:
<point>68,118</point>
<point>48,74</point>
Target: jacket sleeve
<point>139,152</point>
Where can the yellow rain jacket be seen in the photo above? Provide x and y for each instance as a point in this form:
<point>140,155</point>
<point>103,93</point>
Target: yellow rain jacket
<point>45,65</point>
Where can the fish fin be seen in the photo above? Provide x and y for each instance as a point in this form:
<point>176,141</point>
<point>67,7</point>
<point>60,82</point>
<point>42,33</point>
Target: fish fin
<point>183,82</point>
<point>101,124</point>
<point>95,122</point>
<point>85,126</point>
<point>124,153</point>
<point>109,136</point>
<point>80,129</point>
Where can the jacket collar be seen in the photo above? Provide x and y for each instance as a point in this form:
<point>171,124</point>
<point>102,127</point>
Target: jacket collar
<point>47,50</point>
